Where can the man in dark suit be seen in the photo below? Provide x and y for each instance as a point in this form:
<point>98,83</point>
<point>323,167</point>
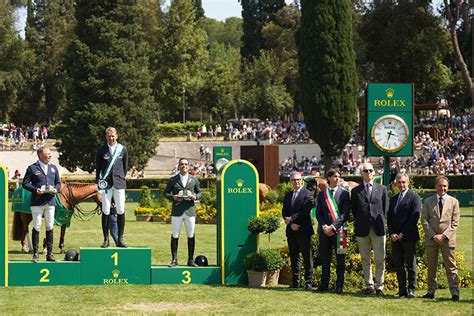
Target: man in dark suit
<point>296,212</point>
<point>440,220</point>
<point>331,210</point>
<point>42,180</point>
<point>183,189</point>
<point>111,168</point>
<point>369,203</point>
<point>402,219</point>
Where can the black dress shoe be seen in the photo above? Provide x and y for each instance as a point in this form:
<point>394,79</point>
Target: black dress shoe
<point>455,298</point>
<point>35,257</point>
<point>379,293</point>
<point>411,294</point>
<point>173,263</point>
<point>400,295</point>
<point>429,295</point>
<point>339,290</point>
<point>191,263</point>
<point>50,258</point>
<point>369,291</point>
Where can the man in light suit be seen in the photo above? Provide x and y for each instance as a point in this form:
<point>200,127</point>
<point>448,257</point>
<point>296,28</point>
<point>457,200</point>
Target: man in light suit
<point>369,203</point>
<point>330,222</point>
<point>402,221</point>
<point>42,180</point>
<point>440,220</point>
<point>111,169</point>
<point>183,189</point>
<point>296,212</point>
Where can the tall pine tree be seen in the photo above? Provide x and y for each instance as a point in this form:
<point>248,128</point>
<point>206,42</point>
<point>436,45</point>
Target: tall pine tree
<point>328,73</point>
<point>110,86</point>
<point>255,13</point>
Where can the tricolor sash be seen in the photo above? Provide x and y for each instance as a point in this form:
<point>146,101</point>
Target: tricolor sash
<point>102,182</point>
<point>341,233</point>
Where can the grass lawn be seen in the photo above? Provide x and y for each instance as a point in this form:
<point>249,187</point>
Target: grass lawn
<point>203,299</point>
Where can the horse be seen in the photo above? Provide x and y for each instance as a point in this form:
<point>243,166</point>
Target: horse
<point>70,195</point>
<point>318,184</point>
<point>263,189</point>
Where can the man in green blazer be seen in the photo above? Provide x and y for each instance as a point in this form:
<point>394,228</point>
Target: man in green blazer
<point>183,189</point>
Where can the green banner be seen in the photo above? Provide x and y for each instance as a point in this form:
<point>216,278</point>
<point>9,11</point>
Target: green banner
<point>3,226</point>
<point>389,119</point>
<point>238,201</point>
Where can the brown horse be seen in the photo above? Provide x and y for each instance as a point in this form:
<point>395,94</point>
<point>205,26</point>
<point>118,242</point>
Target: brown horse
<point>70,194</point>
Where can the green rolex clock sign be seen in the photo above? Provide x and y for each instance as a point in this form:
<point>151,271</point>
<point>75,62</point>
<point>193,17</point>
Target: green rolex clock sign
<point>389,120</point>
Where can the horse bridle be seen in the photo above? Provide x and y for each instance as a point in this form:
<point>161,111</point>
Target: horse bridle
<point>78,212</point>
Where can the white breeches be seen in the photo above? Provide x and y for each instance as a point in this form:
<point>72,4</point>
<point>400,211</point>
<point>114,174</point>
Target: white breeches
<point>119,199</point>
<point>38,211</point>
<point>177,223</point>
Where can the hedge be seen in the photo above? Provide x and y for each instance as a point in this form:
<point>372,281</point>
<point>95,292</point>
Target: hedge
<point>180,129</point>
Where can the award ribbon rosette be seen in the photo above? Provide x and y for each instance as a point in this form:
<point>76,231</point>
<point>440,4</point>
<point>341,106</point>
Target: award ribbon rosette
<point>102,184</point>
<point>335,214</point>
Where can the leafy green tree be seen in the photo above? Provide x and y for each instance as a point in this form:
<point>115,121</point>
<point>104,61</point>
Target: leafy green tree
<point>180,61</point>
<point>198,9</point>
<point>255,13</point>
<point>110,85</point>
<point>264,92</point>
<point>279,37</point>
<point>328,73</point>
<point>14,59</point>
<point>405,42</point>
<point>49,31</point>
<point>228,33</point>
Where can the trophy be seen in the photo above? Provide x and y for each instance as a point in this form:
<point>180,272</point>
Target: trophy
<point>48,189</point>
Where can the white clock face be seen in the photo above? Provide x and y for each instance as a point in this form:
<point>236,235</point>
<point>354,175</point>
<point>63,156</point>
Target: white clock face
<point>390,133</point>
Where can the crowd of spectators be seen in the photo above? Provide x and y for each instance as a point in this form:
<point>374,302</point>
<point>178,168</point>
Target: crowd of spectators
<point>15,138</point>
<point>277,132</point>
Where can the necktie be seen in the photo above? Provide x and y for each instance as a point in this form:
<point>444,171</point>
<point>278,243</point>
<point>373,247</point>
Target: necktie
<point>440,205</point>
<point>295,194</point>
<point>369,191</point>
<point>400,198</point>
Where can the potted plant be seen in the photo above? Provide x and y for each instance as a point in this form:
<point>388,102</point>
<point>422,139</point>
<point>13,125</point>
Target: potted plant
<point>263,267</point>
<point>143,214</point>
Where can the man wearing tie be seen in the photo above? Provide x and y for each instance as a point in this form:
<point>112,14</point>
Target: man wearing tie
<point>296,212</point>
<point>402,219</point>
<point>42,180</point>
<point>369,203</point>
<point>440,219</point>
<point>331,210</point>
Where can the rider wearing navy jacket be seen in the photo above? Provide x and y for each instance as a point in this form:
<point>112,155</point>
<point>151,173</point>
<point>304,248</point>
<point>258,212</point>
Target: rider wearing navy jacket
<point>43,181</point>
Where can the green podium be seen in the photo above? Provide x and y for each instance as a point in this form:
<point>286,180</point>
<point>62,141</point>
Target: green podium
<point>115,266</point>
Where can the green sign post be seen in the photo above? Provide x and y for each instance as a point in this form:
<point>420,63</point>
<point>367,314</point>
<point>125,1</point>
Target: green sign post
<point>221,152</point>
<point>389,121</point>
<point>3,226</point>
<point>237,202</point>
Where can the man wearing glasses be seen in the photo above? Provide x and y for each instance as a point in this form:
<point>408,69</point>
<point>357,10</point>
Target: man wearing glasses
<point>369,202</point>
<point>296,212</point>
<point>183,189</point>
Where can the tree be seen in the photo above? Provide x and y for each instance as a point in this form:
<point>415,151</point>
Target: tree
<point>14,59</point>
<point>405,42</point>
<point>279,37</point>
<point>461,8</point>
<point>180,60</point>
<point>228,33</point>
<point>255,13</point>
<point>198,9</point>
<point>110,85</point>
<point>328,74</point>
<point>264,92</point>
<point>49,31</point>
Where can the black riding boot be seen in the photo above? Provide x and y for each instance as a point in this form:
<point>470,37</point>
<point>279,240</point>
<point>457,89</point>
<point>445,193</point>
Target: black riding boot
<point>35,240</point>
<point>121,228</point>
<point>174,252</point>
<point>49,245</point>
<point>191,244</point>
<point>105,230</point>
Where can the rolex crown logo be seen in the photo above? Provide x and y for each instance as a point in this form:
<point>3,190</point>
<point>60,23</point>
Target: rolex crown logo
<point>239,182</point>
<point>222,150</point>
<point>116,273</point>
<point>390,92</point>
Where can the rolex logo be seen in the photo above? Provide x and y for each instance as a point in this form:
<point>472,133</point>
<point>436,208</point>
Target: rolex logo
<point>239,182</point>
<point>222,150</point>
<point>390,92</point>
<point>116,273</point>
